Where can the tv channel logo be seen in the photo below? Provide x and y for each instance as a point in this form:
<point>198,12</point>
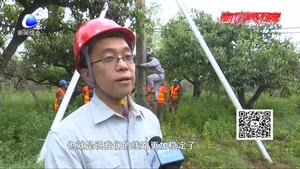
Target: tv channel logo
<point>29,21</point>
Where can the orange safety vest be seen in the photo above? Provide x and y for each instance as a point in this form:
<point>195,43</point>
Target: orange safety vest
<point>174,92</point>
<point>161,98</point>
<point>86,94</point>
<point>60,93</point>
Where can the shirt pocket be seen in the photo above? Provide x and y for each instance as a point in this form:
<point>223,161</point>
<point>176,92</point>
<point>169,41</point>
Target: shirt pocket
<point>103,160</point>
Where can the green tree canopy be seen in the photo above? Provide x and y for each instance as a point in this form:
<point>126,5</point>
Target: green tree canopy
<point>180,52</point>
<point>258,61</point>
<point>12,15</point>
<point>49,55</point>
<point>252,58</point>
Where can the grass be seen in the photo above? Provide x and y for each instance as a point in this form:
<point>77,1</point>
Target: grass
<point>211,121</point>
<point>205,126</point>
<point>23,126</point>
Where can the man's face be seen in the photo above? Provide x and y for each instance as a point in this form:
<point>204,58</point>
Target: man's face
<point>115,78</point>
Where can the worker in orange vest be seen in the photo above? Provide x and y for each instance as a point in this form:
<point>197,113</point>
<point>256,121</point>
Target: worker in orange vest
<point>60,93</point>
<point>162,94</point>
<point>174,95</point>
<point>162,98</point>
<point>87,94</point>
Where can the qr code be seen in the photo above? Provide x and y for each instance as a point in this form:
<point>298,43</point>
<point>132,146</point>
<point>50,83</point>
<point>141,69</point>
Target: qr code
<point>254,124</point>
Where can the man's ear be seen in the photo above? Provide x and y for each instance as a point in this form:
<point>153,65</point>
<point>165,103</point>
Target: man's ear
<point>84,72</point>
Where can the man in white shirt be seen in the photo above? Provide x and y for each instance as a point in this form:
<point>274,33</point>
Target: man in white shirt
<point>110,131</point>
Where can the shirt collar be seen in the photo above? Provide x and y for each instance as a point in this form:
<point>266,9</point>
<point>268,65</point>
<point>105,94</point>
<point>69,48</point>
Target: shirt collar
<point>102,112</point>
<point>134,107</point>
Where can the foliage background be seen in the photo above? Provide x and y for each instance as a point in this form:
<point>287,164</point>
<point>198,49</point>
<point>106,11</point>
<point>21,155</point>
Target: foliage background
<point>211,128</point>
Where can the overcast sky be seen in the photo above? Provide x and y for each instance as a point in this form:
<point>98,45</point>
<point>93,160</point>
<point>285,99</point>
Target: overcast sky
<point>290,10</point>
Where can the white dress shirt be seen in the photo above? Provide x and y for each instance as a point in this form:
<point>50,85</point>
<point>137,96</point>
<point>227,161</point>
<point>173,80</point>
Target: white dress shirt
<point>94,136</point>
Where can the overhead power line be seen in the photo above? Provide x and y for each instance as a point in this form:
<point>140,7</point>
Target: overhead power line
<point>289,32</point>
<point>296,27</point>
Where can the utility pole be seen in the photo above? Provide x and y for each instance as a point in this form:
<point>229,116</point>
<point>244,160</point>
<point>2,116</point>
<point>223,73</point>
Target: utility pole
<point>140,50</point>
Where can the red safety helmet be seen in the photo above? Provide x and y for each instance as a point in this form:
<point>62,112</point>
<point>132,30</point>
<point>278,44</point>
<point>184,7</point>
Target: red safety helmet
<point>98,27</point>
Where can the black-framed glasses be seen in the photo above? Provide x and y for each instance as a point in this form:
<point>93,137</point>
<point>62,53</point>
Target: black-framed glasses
<point>129,59</point>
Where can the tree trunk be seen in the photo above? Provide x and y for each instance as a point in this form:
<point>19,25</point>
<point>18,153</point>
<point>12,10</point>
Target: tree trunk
<point>15,41</point>
<point>10,50</point>
<point>241,96</point>
<point>140,48</point>
<point>37,100</point>
<point>197,87</point>
<point>250,103</point>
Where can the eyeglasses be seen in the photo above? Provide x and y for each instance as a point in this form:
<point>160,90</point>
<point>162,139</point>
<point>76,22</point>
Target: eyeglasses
<point>129,59</point>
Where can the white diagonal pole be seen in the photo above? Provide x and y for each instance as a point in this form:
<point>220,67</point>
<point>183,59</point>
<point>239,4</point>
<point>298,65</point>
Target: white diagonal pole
<point>104,10</point>
<point>61,110</point>
<point>65,102</point>
<point>218,71</point>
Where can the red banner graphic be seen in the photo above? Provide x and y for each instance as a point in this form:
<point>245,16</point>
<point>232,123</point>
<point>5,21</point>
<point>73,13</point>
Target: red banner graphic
<point>250,17</point>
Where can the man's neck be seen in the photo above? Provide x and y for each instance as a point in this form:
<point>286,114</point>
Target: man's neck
<point>112,103</point>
